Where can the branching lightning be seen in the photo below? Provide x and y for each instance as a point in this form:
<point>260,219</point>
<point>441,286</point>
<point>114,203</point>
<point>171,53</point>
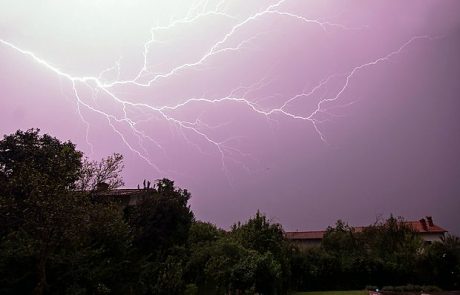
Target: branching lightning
<point>146,78</point>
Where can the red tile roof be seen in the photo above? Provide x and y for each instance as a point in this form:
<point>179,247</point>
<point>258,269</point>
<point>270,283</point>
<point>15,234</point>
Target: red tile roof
<point>418,227</point>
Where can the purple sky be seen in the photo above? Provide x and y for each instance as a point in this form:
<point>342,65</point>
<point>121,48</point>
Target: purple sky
<point>310,111</point>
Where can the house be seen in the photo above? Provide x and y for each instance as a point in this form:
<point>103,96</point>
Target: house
<point>424,227</point>
<point>123,197</point>
<point>427,230</point>
<point>306,239</point>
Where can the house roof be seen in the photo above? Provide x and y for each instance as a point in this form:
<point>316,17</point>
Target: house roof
<point>421,227</point>
<point>125,197</point>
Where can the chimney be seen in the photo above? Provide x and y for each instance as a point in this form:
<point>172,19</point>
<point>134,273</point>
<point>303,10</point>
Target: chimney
<point>102,187</point>
<point>423,223</point>
<point>430,221</point>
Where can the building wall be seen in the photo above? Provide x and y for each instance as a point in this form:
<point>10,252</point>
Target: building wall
<point>432,237</point>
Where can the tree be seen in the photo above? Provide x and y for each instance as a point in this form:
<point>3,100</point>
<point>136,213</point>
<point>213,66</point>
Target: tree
<point>160,224</point>
<point>28,161</point>
<point>35,170</point>
<point>201,240</point>
<point>441,263</point>
<point>393,249</point>
<point>314,269</point>
<point>342,244</point>
<point>108,171</point>
<point>45,224</point>
<point>266,238</point>
<point>203,233</point>
<point>162,219</point>
<point>230,267</point>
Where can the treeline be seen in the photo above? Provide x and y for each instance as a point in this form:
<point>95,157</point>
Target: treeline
<point>56,237</point>
<point>388,254</point>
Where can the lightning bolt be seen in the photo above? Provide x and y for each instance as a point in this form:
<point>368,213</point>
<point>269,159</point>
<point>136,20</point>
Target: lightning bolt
<point>146,78</point>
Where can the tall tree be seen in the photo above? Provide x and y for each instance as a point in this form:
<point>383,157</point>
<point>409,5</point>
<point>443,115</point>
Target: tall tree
<point>163,218</point>
<point>267,239</point>
<point>393,248</point>
<point>34,171</point>
<point>29,160</point>
<point>43,220</point>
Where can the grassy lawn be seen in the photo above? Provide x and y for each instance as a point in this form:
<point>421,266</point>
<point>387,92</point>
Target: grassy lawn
<point>333,293</point>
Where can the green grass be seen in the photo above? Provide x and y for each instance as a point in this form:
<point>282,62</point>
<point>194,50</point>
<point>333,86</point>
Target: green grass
<point>360,292</point>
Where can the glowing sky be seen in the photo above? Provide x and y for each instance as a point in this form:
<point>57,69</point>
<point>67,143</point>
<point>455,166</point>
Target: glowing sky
<point>307,110</point>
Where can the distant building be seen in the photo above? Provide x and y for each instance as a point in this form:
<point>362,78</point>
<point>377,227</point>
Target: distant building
<point>424,227</point>
<point>306,239</point>
<point>123,197</point>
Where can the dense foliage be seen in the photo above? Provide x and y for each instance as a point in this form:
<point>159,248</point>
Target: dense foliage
<point>52,237</point>
<point>57,238</point>
<point>388,253</point>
